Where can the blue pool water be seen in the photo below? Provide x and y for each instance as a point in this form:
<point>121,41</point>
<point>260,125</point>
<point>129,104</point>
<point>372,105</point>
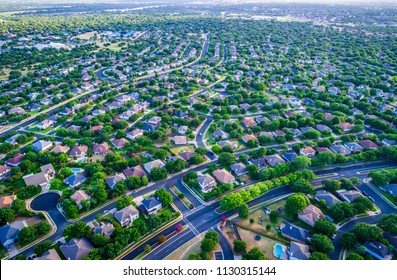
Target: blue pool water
<point>76,170</point>
<point>278,251</point>
<point>84,159</point>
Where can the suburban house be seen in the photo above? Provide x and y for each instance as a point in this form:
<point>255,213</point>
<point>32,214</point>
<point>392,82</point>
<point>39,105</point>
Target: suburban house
<point>307,151</point>
<point>74,180</point>
<point>151,205</point>
<point>328,197</point>
<point>155,120</point>
<point>238,169</point>
<point>155,163</point>
<point>126,215</point>
<point>388,142</point>
<point>79,196</point>
<point>273,160</point>
<point>353,147</point>
<point>119,143</point>
<point>392,189</point>
<point>12,139</point>
<point>78,151</point>
<point>16,111</point>
<point>135,171</point>
<point>295,102</point>
<point>248,137</point>
<point>50,255</point>
<point>310,215</point>
<point>6,201</point>
<point>232,144</point>
<point>206,182</point>
<point>4,171</point>
<point>340,149</point>
<point>220,134</point>
<point>44,124</point>
<point>298,251</point>
<point>100,149</point>
<point>350,195</point>
<point>9,232</point>
<point>104,228</point>
<point>15,160</point>
<point>182,129</point>
<point>289,156</point>
<point>76,248</point>
<point>248,123</point>
<point>322,128</point>
<point>60,149</point>
<point>41,145</point>
<point>223,176</point>
<point>111,181</point>
<point>346,127</point>
<point>179,140</point>
<point>294,232</point>
<point>40,179</point>
<point>377,250</point>
<point>258,162</point>
<point>368,144</point>
<point>186,155</point>
<point>134,134</point>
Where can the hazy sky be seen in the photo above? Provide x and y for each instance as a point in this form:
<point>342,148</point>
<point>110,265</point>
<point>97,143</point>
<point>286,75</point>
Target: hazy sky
<point>347,2</point>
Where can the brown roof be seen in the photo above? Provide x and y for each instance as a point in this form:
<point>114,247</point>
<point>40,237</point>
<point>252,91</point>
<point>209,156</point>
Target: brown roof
<point>248,122</point>
<point>79,196</point>
<point>102,148</point>
<point>4,169</point>
<point>186,155</point>
<point>6,201</point>
<point>77,150</point>
<point>16,159</point>
<point>119,142</point>
<point>307,150</point>
<point>223,176</point>
<point>245,138</point>
<point>368,144</point>
<point>97,128</point>
<point>135,171</point>
<point>60,149</point>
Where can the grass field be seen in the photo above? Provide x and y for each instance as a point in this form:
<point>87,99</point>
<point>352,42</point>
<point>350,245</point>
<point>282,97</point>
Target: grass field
<point>265,244</point>
<point>180,149</point>
<point>86,36</point>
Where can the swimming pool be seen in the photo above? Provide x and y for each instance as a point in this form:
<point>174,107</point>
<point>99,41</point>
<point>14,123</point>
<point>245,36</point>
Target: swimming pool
<point>76,170</point>
<point>84,159</point>
<point>278,251</point>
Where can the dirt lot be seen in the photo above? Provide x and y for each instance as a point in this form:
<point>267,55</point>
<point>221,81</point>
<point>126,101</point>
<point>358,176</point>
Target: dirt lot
<point>265,244</point>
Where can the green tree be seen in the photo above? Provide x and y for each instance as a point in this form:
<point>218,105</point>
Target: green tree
<point>365,232</point>
<point>295,204</point>
<point>319,256</point>
<point>302,186</point>
<point>322,243</point>
<point>254,254</point>
<point>6,215</point>
<point>124,202</point>
<point>239,246</point>
<point>158,174</point>
<point>27,235</point>
<point>348,240</point>
<point>164,197</point>
<point>389,223</point>
<point>243,211</point>
<point>226,159</point>
<point>208,244</point>
<point>301,162</point>
<point>355,257</point>
<point>325,227</point>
